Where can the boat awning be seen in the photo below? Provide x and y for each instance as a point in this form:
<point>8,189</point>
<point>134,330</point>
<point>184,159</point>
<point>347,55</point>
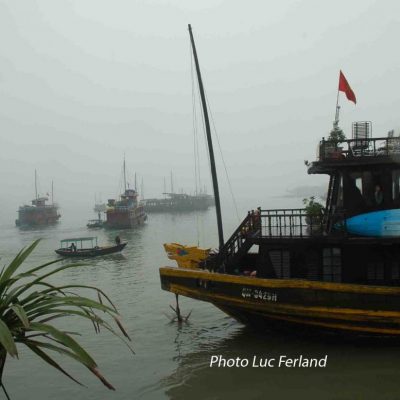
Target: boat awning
<point>78,242</point>
<point>81,239</point>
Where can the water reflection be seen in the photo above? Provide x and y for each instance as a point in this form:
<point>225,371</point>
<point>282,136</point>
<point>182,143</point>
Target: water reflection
<point>172,361</point>
<point>355,369</point>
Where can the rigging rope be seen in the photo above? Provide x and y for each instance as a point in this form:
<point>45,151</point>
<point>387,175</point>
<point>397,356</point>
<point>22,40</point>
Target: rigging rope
<point>120,183</point>
<point>197,179</point>
<point>197,175</point>
<point>222,158</point>
<point>219,147</point>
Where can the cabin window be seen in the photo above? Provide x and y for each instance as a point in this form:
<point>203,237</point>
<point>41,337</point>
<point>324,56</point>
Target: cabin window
<point>340,194</point>
<point>332,264</point>
<point>375,271</point>
<point>357,179</point>
<point>396,185</point>
<point>358,182</point>
<point>280,260</point>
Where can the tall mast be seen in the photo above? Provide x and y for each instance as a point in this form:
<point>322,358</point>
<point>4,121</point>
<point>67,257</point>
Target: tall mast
<point>209,142</point>
<point>124,175</point>
<point>36,195</point>
<point>172,183</point>
<point>135,183</point>
<point>336,121</point>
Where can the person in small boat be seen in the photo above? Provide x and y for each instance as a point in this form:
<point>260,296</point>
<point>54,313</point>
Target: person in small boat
<point>72,247</point>
<point>378,194</point>
<point>117,240</point>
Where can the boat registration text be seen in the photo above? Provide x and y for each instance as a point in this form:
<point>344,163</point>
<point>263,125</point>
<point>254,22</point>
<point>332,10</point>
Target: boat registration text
<point>259,294</point>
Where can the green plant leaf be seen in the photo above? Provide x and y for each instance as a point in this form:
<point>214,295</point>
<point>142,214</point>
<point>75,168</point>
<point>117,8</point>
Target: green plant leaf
<point>6,340</point>
<point>20,313</point>
<point>28,303</point>
<point>18,260</point>
<point>36,281</point>
<point>67,341</point>
<point>45,357</point>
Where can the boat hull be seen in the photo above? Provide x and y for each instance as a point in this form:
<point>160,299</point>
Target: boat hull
<point>335,307</point>
<point>37,216</point>
<point>126,219</point>
<point>101,251</point>
<point>94,225</point>
<point>164,206</point>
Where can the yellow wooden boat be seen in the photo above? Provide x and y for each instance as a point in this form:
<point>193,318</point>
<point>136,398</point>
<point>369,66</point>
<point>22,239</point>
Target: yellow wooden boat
<point>186,256</point>
<point>301,270</point>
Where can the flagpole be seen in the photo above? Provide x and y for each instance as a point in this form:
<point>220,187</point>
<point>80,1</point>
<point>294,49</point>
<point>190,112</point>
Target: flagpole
<point>336,121</point>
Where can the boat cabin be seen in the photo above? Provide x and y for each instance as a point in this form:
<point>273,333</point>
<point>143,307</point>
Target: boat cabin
<point>364,172</point>
<point>356,239</point>
<point>39,202</point>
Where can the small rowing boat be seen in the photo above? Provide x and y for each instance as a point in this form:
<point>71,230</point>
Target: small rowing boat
<point>87,247</point>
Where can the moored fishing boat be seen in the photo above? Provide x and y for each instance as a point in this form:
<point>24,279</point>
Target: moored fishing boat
<point>338,271</point>
<point>38,213</point>
<point>126,212</point>
<point>95,223</point>
<point>178,202</point>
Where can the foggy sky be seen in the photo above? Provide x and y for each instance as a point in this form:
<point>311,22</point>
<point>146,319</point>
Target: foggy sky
<point>83,82</point>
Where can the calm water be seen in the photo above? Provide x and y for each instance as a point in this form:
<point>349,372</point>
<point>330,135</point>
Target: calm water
<point>171,361</point>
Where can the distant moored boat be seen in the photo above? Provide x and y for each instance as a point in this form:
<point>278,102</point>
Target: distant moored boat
<point>126,212</point>
<point>39,213</point>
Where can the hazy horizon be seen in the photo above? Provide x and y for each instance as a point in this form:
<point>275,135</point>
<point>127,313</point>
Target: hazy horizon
<point>84,82</point>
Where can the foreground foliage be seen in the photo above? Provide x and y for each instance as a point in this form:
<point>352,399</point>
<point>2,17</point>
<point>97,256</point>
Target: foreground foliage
<point>29,304</point>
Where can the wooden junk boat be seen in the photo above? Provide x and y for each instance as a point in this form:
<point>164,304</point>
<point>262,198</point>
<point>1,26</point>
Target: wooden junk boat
<point>38,213</point>
<point>338,271</point>
<point>178,202</point>
<point>126,212</point>
<point>86,247</point>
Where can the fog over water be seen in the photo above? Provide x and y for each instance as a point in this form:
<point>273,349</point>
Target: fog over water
<point>83,82</point>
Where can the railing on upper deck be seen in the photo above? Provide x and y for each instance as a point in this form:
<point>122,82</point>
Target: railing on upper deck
<point>290,223</point>
<point>282,223</point>
<point>272,224</point>
<point>364,147</point>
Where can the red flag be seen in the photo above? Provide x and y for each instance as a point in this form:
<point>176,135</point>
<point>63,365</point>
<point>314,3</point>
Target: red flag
<point>345,87</point>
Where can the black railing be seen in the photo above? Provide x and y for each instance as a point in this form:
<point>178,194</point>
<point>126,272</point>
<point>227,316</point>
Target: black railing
<point>250,227</point>
<point>290,223</point>
<point>272,224</point>
<point>280,223</point>
<point>360,147</point>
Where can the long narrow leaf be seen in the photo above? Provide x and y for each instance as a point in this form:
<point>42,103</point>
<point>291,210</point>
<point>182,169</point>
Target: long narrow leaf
<point>58,312</point>
<point>7,340</point>
<point>42,277</point>
<point>50,346</point>
<point>78,301</point>
<point>20,313</point>
<point>18,260</point>
<point>67,340</point>
<point>45,357</point>
<point>34,346</point>
<point>29,303</point>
